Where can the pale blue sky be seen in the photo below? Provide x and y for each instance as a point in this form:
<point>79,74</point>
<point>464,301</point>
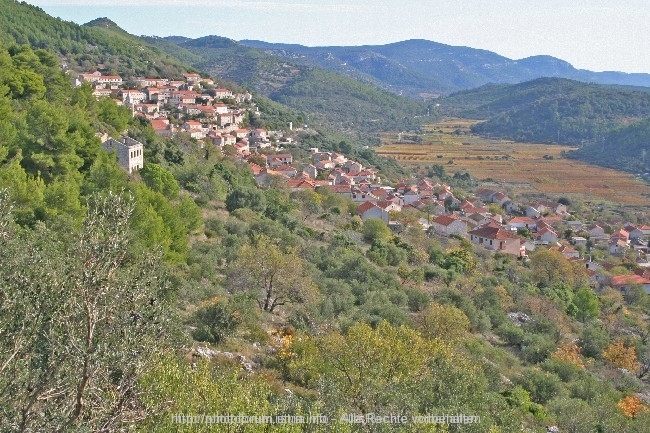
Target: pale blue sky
<point>590,34</point>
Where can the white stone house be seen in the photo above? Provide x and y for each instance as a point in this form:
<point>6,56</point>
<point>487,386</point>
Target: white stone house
<point>496,238</point>
<point>447,226</point>
<point>546,235</point>
<point>370,210</point>
<point>129,152</point>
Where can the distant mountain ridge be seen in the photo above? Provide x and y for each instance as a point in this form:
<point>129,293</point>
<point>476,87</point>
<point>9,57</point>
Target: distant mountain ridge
<point>419,67</point>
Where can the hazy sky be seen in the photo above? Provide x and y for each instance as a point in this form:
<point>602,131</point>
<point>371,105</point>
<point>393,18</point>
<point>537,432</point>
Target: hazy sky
<point>590,34</point>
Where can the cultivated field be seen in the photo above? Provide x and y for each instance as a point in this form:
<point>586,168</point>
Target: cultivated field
<point>526,168</point>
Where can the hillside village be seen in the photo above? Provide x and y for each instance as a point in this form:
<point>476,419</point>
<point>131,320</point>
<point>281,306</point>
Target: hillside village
<point>214,116</point>
<point>218,258</point>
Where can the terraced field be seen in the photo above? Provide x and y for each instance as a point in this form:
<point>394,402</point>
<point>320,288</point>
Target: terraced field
<point>525,166</point>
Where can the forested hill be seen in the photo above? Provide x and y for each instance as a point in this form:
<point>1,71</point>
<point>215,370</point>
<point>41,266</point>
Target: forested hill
<point>84,47</point>
<point>600,119</point>
<point>626,149</point>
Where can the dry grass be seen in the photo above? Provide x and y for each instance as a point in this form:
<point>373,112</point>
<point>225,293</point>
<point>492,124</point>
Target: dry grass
<point>526,167</point>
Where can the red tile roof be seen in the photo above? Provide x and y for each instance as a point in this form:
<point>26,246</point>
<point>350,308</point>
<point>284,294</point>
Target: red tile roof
<point>384,204</point>
<point>160,124</point>
<point>622,280</point>
<point>491,232</point>
<point>365,206</point>
<point>444,220</point>
<point>301,183</point>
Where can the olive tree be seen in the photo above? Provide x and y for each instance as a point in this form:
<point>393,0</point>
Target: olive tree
<point>80,320</point>
<point>276,276</point>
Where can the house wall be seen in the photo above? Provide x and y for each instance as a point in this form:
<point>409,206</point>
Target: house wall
<point>455,228</point>
<point>508,246</point>
<point>521,225</point>
<point>636,234</point>
<point>360,197</point>
<point>548,237</point>
<point>624,289</point>
<point>532,212</point>
<point>597,233</point>
<point>375,212</point>
<point>411,198</point>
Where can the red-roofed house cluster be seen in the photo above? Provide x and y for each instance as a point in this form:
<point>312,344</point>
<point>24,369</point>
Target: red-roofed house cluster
<point>544,220</point>
<point>205,112</point>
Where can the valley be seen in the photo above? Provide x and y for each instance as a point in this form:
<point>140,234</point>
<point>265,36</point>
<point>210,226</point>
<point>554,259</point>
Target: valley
<point>525,167</point>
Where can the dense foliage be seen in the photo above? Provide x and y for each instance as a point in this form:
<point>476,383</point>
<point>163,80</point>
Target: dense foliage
<point>632,144</point>
<point>101,42</point>
<point>80,319</point>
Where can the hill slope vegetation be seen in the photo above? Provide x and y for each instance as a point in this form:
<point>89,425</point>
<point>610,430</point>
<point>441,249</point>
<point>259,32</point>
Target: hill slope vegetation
<point>286,303</point>
<point>84,47</point>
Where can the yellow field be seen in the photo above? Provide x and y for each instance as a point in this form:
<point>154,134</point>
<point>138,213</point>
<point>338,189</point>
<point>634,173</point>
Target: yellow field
<point>522,166</point>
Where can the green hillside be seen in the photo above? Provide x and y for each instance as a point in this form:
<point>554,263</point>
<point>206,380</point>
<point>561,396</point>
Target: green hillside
<point>422,69</point>
<point>593,117</point>
<point>84,47</point>
<point>626,148</point>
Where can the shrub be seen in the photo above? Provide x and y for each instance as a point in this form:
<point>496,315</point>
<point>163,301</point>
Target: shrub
<point>541,385</point>
<point>214,321</point>
<point>512,334</point>
<point>417,299</point>
<point>375,229</point>
<point>565,370</point>
<point>536,348</point>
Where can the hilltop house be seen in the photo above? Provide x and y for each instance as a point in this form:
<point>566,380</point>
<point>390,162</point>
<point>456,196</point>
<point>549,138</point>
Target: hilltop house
<point>638,232</point>
<point>617,247</point>
<point>624,282</point>
<point>222,93</point>
<point>521,223</point>
<point>532,212</point>
<point>359,195</point>
<point>129,152</point>
<point>279,159</point>
<point>99,80</point>
<point>162,127</point>
<point>546,235</point>
<point>566,251</point>
<point>549,206</point>
<point>596,232</point>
